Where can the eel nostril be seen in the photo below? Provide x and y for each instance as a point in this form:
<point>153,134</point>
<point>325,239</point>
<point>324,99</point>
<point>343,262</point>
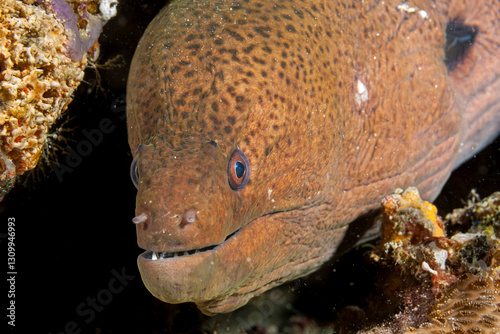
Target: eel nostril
<point>188,217</point>
<point>143,218</point>
<point>140,218</point>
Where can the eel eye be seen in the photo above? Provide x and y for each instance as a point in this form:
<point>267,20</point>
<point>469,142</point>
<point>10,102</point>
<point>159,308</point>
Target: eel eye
<point>134,172</point>
<point>238,170</point>
<point>459,38</point>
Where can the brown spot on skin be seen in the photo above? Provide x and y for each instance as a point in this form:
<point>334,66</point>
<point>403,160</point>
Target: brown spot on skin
<point>263,31</point>
<point>190,38</point>
<point>212,28</point>
<point>260,61</point>
<point>278,81</point>
<point>290,28</point>
<point>214,119</point>
<point>298,13</point>
<point>234,35</point>
<point>248,49</point>
<point>194,47</point>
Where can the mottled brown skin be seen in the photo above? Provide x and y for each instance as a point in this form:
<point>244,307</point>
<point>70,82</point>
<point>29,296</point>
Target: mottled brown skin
<point>280,81</point>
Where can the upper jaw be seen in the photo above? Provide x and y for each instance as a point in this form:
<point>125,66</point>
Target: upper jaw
<point>163,255</point>
<point>168,233</point>
<point>154,254</point>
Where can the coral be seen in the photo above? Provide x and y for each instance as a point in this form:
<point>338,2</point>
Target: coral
<point>413,238</point>
<point>37,81</point>
<point>461,270</point>
<point>470,306</point>
<point>476,228</point>
<point>404,207</point>
<point>477,217</point>
<point>415,302</point>
<point>41,64</point>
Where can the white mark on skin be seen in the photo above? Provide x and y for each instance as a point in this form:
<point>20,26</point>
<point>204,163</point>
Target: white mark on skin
<point>269,192</point>
<point>405,8</point>
<point>361,94</point>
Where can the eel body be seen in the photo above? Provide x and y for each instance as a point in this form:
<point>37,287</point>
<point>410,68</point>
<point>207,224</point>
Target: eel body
<point>262,128</point>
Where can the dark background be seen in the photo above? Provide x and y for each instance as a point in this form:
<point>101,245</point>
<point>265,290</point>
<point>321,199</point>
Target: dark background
<point>73,231</point>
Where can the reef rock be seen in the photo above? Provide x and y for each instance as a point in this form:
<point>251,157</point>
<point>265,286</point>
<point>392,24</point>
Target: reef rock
<point>39,72</point>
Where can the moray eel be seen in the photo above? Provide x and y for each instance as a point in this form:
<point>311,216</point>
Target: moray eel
<point>261,128</point>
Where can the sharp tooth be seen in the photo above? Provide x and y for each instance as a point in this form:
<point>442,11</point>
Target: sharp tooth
<point>186,253</point>
<point>153,256</point>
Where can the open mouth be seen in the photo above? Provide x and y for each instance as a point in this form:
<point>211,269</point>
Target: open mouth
<point>153,255</point>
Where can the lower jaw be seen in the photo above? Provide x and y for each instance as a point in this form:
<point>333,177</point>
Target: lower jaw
<point>192,276</point>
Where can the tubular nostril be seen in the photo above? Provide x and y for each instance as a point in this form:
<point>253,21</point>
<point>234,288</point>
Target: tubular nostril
<point>141,219</point>
<point>188,217</point>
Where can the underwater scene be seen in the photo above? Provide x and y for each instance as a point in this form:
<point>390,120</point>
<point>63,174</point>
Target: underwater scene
<point>260,167</point>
